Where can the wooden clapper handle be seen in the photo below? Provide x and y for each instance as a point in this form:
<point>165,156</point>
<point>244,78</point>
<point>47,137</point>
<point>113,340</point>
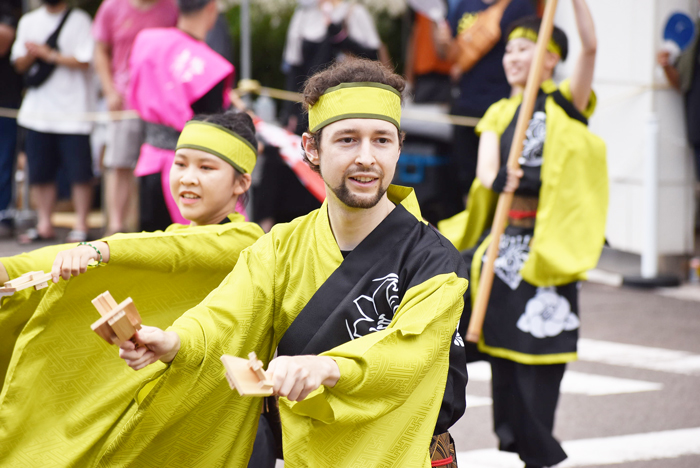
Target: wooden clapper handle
<point>505,200</point>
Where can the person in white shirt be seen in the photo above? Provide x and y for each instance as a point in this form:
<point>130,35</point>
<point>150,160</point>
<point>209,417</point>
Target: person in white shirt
<point>320,32</point>
<point>53,112</point>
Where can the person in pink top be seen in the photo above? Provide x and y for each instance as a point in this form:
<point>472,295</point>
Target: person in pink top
<point>115,28</point>
<point>174,75</point>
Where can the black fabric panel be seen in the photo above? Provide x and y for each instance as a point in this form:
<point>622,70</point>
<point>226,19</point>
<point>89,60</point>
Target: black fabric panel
<point>507,305</point>
<point>414,253</point>
<point>314,330</point>
<point>530,182</point>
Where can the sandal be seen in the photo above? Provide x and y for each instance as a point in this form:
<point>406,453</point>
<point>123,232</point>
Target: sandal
<point>32,236</point>
<point>76,236</point>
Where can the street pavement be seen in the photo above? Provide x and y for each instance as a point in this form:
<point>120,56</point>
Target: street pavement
<point>631,401</point>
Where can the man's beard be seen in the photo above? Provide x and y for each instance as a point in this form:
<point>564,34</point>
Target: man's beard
<point>343,193</point>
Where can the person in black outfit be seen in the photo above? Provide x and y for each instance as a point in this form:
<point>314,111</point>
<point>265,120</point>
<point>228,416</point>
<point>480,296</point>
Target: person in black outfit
<point>479,87</point>
<point>684,75</point>
<point>319,33</point>
<point>10,97</point>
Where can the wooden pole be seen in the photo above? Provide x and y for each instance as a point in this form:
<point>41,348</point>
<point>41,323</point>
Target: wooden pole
<point>505,200</point>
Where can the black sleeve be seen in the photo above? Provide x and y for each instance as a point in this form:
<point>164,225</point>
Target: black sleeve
<point>212,102</point>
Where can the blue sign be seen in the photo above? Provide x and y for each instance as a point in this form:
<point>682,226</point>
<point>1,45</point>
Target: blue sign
<point>679,29</point>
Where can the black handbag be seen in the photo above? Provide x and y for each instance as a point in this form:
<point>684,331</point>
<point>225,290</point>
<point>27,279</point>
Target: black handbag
<point>40,70</point>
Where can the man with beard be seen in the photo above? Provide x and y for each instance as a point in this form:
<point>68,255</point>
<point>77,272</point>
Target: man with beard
<point>361,299</point>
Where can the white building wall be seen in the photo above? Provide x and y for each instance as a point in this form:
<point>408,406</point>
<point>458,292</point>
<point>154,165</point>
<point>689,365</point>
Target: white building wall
<point>630,86</point>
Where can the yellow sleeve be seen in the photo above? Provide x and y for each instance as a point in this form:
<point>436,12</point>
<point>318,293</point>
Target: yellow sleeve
<point>497,117</point>
<point>565,90</point>
<point>17,309</point>
<point>380,371</point>
<point>48,393</point>
<point>228,320</point>
<point>391,382</point>
<point>187,249</point>
<point>36,260</point>
<point>192,399</point>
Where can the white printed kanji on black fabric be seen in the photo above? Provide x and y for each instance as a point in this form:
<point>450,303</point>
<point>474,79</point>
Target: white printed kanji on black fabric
<point>512,255</point>
<point>534,141</point>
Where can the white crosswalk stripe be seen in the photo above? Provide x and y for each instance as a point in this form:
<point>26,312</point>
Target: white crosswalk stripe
<point>476,401</point>
<point>601,451</point>
<point>640,357</point>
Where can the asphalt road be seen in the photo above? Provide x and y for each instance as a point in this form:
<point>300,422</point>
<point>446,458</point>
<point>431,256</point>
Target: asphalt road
<point>631,401</point>
<point>627,406</point>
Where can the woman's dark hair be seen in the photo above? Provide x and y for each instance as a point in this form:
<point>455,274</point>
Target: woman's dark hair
<point>349,70</point>
<point>533,22</point>
<point>238,122</point>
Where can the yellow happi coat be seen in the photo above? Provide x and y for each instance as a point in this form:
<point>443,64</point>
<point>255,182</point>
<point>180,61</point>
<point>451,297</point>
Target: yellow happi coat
<point>382,411</point>
<point>572,210</point>
<point>17,309</point>
<point>66,389</point>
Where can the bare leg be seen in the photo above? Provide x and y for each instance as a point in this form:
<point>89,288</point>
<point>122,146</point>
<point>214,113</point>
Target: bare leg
<point>118,191</point>
<point>82,197</point>
<point>45,197</point>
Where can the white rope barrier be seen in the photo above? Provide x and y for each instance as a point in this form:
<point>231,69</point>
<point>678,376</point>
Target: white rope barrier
<point>254,87</point>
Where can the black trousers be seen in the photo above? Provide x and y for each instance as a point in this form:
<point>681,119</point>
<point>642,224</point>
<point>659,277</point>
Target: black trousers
<point>524,402</point>
<point>263,455</point>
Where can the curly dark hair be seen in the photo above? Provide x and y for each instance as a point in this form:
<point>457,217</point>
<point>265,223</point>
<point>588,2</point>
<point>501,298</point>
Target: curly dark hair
<point>349,70</point>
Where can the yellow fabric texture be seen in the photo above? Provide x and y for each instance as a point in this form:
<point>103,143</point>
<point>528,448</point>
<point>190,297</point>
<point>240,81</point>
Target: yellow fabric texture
<point>465,228</point>
<point>219,141</point>
<point>66,390</point>
<point>383,409</point>
<point>501,113</point>
<point>532,35</point>
<point>528,359</point>
<point>570,224</point>
<point>356,100</point>
<point>17,309</point>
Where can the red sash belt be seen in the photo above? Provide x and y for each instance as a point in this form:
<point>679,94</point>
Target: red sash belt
<point>518,214</point>
<point>443,462</point>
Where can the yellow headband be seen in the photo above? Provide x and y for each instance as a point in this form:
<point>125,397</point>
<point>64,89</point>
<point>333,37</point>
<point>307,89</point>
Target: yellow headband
<point>356,101</point>
<point>530,34</point>
<point>219,141</point>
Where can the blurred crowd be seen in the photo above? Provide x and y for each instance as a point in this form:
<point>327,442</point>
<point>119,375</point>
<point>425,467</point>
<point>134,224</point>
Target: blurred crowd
<point>58,66</point>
